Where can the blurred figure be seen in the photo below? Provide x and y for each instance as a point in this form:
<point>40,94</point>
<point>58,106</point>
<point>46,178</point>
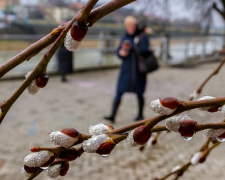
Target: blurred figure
<point>65,62</point>
<point>130,79</point>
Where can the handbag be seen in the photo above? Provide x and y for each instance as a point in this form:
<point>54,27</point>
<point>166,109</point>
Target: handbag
<point>147,64</point>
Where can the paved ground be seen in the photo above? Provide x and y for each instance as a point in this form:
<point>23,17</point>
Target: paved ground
<point>84,100</point>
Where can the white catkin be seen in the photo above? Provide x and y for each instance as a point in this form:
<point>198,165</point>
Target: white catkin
<point>173,123</point>
<point>37,159</point>
<point>130,139</point>
<point>32,88</point>
<point>24,173</point>
<point>92,144</point>
<point>214,133</point>
<point>157,107</point>
<point>195,158</point>
<point>70,43</point>
<point>61,139</point>
<point>205,98</point>
<point>98,129</point>
<point>223,110</point>
<point>54,171</point>
<point>175,169</point>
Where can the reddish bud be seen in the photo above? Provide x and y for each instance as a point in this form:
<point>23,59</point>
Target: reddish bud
<point>64,168</point>
<point>180,173</point>
<point>50,161</point>
<point>78,30</point>
<point>202,159</point>
<point>69,154</point>
<point>106,147</point>
<point>42,80</point>
<point>213,109</point>
<point>142,134</point>
<point>30,170</point>
<point>35,149</point>
<point>110,127</point>
<point>71,132</point>
<point>170,102</point>
<point>154,141</point>
<point>142,148</point>
<point>187,128</point>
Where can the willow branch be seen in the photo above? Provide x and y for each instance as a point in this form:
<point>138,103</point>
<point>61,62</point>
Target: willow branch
<point>199,89</point>
<point>42,66</point>
<point>36,47</point>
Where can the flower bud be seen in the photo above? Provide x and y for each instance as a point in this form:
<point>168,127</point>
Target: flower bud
<point>65,138</point>
<point>30,170</point>
<point>32,88</point>
<point>164,106</point>
<point>24,173</point>
<point>54,171</point>
<point>187,128</point>
<point>130,139</point>
<point>205,98</point>
<point>69,154</point>
<point>78,30</point>
<point>100,129</point>
<point>105,148</point>
<point>64,168</point>
<point>92,144</point>
<point>42,80</point>
<point>75,35</point>
<point>142,134</point>
<point>214,133</point>
<point>176,168</point>
<point>39,159</point>
<point>173,123</point>
<point>195,158</point>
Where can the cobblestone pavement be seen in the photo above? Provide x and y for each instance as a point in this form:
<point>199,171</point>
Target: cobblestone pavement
<point>84,100</point>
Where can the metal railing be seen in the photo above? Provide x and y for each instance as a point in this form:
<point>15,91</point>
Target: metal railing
<point>98,51</point>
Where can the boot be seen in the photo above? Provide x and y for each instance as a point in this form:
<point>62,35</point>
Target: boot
<point>115,106</point>
<point>140,110</point>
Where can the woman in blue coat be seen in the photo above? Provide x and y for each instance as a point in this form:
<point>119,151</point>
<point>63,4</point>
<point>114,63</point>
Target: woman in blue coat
<point>130,78</point>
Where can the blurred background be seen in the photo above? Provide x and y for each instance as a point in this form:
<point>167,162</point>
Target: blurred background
<point>187,36</point>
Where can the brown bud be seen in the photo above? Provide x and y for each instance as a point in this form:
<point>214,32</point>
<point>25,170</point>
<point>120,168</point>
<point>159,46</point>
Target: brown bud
<point>105,148</point>
<point>42,80</point>
<point>30,170</point>
<point>187,128</point>
<point>154,141</point>
<point>202,159</point>
<point>78,30</point>
<point>213,109</point>
<point>110,127</point>
<point>71,132</point>
<point>170,102</point>
<point>142,148</point>
<point>142,134</point>
<point>69,154</point>
<point>64,168</point>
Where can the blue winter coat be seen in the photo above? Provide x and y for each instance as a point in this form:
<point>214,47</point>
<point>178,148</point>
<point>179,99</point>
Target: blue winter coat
<point>130,79</point>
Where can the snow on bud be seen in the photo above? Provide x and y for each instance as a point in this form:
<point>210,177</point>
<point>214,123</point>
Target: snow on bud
<point>38,159</point>
<point>54,171</point>
<point>130,139</point>
<point>223,110</point>
<point>173,123</point>
<point>176,168</point>
<point>92,144</point>
<point>99,129</point>
<point>32,88</point>
<point>214,133</point>
<point>195,158</point>
<point>25,174</point>
<point>164,106</point>
<point>65,138</point>
<point>205,98</point>
<point>70,43</point>
<point>76,34</point>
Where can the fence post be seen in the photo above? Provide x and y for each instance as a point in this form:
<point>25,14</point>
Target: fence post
<point>100,47</point>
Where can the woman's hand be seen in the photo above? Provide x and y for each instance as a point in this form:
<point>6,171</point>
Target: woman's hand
<point>123,53</point>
